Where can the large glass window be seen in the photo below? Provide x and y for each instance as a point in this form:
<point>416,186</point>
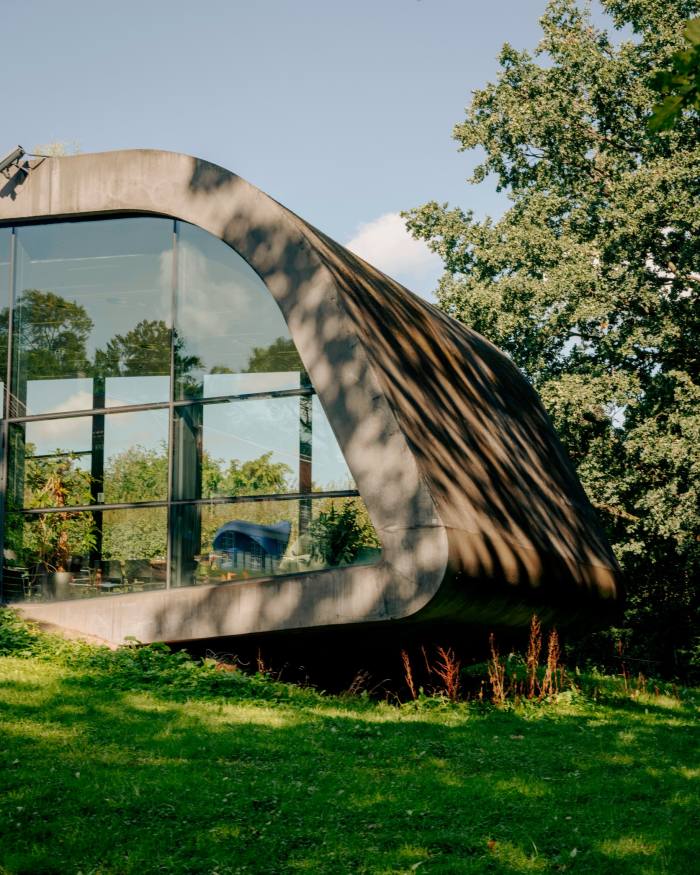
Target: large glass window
<point>256,446</point>
<point>234,542</point>
<point>92,314</point>
<point>162,429</point>
<point>70,554</point>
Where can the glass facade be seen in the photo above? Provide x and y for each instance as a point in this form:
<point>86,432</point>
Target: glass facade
<point>159,429</point>
<point>6,239</point>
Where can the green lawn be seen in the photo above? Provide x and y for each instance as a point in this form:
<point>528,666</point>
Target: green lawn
<point>140,762</point>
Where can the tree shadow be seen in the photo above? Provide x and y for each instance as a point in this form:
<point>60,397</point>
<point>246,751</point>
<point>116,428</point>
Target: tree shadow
<point>118,780</point>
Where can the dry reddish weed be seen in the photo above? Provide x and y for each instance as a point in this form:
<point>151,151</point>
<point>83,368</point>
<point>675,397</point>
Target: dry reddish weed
<point>551,682</point>
<point>497,674</point>
<point>408,674</point>
<point>534,649</point>
<point>447,668</point>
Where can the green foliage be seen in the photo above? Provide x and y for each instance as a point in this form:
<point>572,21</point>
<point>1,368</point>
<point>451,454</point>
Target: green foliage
<point>54,481</point>
<point>134,475</point>
<point>52,335</point>
<point>135,534</point>
<point>16,637</point>
<point>145,349</point>
<point>50,539</point>
<point>280,356</point>
<point>254,476</point>
<point>590,283</point>
<point>137,474</point>
<point>680,84</point>
<point>338,536</point>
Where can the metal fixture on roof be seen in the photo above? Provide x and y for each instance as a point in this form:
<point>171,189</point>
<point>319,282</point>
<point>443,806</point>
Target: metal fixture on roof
<point>14,156</point>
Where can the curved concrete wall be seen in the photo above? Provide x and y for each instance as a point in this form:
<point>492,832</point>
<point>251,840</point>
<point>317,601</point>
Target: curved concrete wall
<point>479,512</point>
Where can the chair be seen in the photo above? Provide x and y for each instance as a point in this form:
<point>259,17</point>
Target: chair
<point>109,575</point>
<point>138,573</point>
<point>16,584</point>
<point>79,568</point>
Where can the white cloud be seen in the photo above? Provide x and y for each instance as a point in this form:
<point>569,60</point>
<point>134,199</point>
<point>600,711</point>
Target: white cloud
<point>386,243</point>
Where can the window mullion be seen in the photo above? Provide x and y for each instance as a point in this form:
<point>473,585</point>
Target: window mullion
<point>5,430</point>
<point>171,410</point>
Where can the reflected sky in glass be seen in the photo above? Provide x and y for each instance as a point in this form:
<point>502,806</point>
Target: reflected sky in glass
<point>91,297</point>
<point>146,429</point>
<point>224,313</point>
<point>242,431</point>
<point>115,276</point>
<point>134,445</point>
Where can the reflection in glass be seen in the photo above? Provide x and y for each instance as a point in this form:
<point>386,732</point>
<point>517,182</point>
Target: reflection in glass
<point>234,542</point>
<point>242,448</point>
<point>5,244</point>
<point>56,478</point>
<point>329,469</point>
<point>54,556</point>
<point>111,459</point>
<point>92,331</point>
<point>231,336</point>
<point>92,302</point>
<point>256,446</point>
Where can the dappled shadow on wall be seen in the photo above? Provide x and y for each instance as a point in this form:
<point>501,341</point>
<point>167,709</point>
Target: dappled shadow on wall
<point>503,485</point>
<point>518,520</point>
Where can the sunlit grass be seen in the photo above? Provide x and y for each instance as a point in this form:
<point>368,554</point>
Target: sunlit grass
<point>626,846</point>
<point>139,763</point>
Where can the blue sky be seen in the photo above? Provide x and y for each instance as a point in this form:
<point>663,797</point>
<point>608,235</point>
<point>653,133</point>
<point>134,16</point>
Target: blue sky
<point>341,110</point>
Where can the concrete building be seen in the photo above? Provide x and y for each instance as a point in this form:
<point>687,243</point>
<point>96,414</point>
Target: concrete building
<point>218,421</point>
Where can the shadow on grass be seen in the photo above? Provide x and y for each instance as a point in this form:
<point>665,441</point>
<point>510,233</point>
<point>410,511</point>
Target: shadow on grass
<point>100,779</point>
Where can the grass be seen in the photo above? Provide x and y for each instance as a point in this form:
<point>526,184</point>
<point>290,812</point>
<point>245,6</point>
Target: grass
<point>140,761</point>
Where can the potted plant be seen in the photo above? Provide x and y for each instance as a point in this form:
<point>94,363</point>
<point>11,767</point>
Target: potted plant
<point>343,536</point>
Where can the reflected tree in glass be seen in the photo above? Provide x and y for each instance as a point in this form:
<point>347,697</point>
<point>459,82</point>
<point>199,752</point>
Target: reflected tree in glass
<point>145,349</point>
<point>132,534</point>
<point>51,335</point>
<point>137,474</point>
<point>93,301</point>
<point>280,356</point>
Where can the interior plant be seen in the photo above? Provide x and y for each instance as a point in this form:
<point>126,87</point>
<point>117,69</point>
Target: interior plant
<point>50,539</point>
<point>340,535</point>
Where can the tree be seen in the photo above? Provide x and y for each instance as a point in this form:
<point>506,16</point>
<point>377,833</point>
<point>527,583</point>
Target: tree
<point>52,334</point>
<point>281,355</point>
<point>137,474</point>
<point>255,476</point>
<point>342,533</point>
<point>680,84</point>
<point>590,282</point>
<point>144,350</point>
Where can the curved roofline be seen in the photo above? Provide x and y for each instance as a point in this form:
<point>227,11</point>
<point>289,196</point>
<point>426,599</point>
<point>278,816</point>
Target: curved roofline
<point>479,511</point>
<point>268,237</point>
